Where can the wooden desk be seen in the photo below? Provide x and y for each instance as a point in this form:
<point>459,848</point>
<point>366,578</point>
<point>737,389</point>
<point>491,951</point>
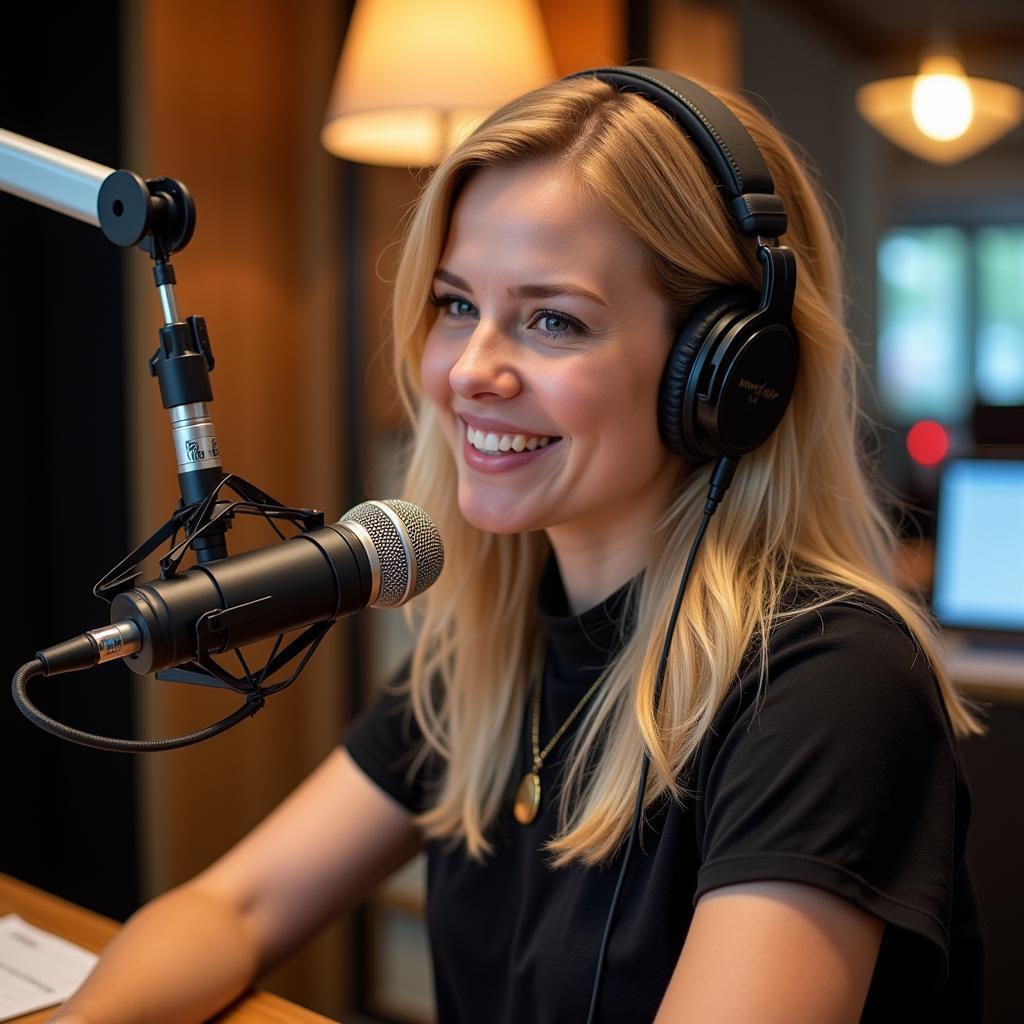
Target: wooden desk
<point>93,932</point>
<point>986,674</point>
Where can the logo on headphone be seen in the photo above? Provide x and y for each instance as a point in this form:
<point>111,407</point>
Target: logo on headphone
<point>757,391</point>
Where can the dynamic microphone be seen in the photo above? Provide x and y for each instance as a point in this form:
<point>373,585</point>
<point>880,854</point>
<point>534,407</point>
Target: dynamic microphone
<point>379,554</point>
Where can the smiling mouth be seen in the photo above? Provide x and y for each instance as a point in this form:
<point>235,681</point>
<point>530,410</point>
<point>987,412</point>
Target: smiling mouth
<point>491,443</point>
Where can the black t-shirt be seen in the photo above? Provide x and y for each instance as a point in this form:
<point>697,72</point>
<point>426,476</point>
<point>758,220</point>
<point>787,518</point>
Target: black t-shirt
<point>844,775</point>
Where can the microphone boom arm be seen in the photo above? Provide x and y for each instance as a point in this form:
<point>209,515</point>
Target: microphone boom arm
<point>159,216</point>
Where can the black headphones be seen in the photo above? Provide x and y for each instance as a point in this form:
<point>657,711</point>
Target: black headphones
<point>732,368</point>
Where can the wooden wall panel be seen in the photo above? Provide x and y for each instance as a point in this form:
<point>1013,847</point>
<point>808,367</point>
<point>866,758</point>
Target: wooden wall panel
<point>585,33</point>
<point>697,40</point>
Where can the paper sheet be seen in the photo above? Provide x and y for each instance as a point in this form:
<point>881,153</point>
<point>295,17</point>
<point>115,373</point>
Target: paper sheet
<point>37,969</point>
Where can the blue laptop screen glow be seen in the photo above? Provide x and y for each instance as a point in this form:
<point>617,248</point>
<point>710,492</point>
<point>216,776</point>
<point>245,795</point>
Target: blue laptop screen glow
<point>979,547</point>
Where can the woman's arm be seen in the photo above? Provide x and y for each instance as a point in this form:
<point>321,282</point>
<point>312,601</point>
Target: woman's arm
<point>193,950</point>
<point>773,953</point>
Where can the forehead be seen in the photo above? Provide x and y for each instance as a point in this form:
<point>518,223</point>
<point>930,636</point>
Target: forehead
<point>534,219</point>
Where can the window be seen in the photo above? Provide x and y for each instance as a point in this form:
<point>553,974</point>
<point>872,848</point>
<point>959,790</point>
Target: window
<point>951,321</point>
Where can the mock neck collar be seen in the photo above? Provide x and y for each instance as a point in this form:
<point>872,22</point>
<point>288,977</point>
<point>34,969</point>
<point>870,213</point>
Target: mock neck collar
<point>579,647</point>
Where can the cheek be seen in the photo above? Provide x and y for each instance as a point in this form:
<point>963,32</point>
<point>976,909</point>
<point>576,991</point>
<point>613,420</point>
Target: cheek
<point>607,403</point>
<point>435,368</point>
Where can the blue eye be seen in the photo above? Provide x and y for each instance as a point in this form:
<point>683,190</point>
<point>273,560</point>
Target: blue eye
<point>445,302</point>
<point>559,325</point>
<point>551,317</point>
<point>568,325</point>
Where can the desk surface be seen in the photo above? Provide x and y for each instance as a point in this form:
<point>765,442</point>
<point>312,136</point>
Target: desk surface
<point>92,932</point>
<point>985,674</point>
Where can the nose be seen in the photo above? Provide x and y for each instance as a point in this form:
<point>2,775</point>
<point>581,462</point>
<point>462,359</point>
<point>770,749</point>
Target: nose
<point>486,366</point>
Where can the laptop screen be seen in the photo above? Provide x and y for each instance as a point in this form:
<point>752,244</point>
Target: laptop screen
<point>979,545</point>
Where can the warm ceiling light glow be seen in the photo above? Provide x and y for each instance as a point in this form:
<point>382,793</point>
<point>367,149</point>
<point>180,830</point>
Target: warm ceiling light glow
<point>941,114</point>
<point>941,100</point>
<point>415,76</point>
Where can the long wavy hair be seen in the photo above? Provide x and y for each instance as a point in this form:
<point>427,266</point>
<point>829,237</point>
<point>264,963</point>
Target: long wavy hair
<point>801,510</point>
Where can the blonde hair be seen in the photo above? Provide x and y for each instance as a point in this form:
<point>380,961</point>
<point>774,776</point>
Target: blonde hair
<point>800,509</point>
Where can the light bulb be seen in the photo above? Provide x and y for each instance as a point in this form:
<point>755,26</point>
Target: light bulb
<point>941,102</point>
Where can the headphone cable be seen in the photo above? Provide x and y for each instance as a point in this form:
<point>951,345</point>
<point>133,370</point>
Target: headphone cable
<point>721,477</point>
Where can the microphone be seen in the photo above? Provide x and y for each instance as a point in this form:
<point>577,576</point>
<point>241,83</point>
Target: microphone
<point>379,555</point>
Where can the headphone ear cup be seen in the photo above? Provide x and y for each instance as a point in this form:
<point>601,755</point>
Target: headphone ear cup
<point>706,323</point>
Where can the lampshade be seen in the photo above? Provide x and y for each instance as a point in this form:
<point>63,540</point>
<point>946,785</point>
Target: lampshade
<point>415,76</point>
<point>941,114</point>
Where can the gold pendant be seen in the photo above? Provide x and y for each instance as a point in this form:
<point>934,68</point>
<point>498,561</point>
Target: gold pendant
<point>527,798</point>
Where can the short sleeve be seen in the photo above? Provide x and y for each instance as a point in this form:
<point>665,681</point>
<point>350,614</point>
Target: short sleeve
<point>840,773</point>
<point>384,740</point>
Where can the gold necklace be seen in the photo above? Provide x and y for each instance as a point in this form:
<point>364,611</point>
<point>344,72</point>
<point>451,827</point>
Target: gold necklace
<point>527,802</point>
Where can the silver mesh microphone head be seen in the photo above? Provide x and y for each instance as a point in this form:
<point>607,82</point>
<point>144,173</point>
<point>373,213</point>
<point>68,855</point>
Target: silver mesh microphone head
<point>406,546</point>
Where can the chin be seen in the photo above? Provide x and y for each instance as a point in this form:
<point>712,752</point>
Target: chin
<point>494,515</point>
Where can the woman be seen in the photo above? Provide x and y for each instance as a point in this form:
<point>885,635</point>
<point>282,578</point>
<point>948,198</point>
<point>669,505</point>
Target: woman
<point>804,818</point>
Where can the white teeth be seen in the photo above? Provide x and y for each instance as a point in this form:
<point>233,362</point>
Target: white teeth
<point>493,443</point>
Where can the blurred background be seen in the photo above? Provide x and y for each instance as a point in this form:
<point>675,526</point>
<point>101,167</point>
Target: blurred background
<point>292,264</point>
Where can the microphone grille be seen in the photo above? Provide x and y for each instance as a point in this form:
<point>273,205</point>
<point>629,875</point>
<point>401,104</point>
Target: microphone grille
<point>408,547</point>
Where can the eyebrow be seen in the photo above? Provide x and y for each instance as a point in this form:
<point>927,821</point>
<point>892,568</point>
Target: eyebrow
<point>526,291</point>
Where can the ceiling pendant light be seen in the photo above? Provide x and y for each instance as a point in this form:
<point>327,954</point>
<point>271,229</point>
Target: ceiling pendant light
<point>941,114</point>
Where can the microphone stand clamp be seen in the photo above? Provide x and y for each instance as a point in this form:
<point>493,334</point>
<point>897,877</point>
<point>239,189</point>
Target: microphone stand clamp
<point>193,522</point>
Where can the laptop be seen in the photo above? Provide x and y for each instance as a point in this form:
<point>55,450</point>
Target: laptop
<point>978,590</point>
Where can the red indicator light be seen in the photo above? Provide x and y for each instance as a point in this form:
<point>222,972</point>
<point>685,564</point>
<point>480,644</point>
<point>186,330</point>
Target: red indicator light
<point>927,442</point>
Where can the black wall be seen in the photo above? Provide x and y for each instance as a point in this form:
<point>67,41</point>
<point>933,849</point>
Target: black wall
<point>69,812</point>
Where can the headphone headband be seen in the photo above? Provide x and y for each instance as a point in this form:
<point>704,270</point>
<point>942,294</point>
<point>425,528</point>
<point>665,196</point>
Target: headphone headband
<point>732,368</point>
<point>724,143</point>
